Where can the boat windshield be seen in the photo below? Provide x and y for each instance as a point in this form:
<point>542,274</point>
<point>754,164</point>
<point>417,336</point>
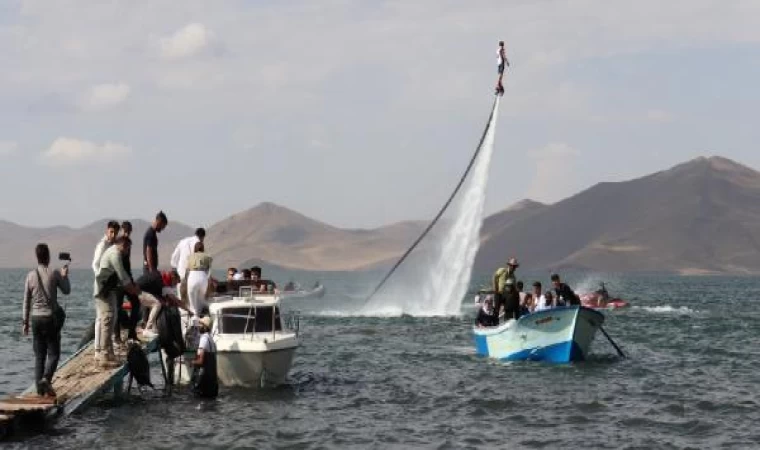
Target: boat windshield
<point>242,320</point>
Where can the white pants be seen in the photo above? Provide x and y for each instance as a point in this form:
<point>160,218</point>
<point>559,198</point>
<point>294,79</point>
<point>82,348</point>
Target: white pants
<point>149,301</point>
<point>197,284</point>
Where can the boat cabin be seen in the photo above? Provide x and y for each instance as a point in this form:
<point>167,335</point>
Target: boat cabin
<point>246,315</point>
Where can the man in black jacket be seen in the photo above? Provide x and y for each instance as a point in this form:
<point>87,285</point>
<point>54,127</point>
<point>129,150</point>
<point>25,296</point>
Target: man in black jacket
<point>565,295</point>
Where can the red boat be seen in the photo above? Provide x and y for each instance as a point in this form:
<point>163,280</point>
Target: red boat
<point>600,299</point>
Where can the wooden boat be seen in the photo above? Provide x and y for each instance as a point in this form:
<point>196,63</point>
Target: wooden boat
<point>557,335</point>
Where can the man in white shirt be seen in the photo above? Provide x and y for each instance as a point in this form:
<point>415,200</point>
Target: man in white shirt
<point>184,249</point>
<point>112,229</point>
<point>539,300</point>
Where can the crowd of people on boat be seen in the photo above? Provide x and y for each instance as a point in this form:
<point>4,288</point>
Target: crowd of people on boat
<point>510,301</point>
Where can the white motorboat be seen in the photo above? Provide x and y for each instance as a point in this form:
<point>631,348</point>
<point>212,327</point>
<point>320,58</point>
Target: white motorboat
<point>254,347</point>
<point>318,291</point>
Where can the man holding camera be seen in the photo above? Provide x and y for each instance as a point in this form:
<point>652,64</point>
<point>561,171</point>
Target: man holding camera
<point>42,311</point>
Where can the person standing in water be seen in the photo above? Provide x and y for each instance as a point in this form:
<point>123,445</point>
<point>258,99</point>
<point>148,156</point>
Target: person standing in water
<point>502,60</point>
<point>205,383</point>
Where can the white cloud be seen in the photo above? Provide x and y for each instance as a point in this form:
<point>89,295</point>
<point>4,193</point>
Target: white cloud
<point>188,41</point>
<point>8,147</point>
<point>660,116</point>
<point>105,96</point>
<point>554,174</point>
<point>67,151</point>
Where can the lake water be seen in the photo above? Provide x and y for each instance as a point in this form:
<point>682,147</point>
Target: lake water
<point>692,379</point>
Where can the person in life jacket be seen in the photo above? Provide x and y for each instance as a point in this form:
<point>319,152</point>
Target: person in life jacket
<point>204,381</point>
<point>502,60</point>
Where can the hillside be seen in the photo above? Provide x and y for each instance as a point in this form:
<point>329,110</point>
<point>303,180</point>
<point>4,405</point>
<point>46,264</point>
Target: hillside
<point>702,216</point>
<point>280,236</point>
<point>17,242</point>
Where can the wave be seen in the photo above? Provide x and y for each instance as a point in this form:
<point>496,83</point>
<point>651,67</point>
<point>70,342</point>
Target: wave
<point>666,309</point>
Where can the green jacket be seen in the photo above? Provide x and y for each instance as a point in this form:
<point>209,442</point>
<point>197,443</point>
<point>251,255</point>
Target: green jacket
<point>500,278</point>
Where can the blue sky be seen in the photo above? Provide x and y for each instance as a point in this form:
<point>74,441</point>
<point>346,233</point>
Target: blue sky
<point>357,113</point>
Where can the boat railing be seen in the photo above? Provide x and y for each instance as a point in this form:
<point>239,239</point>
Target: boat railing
<point>293,321</point>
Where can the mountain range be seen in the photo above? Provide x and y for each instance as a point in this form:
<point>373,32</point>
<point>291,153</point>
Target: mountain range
<point>699,217</point>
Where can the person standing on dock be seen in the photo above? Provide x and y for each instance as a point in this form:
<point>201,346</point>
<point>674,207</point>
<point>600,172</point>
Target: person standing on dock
<point>150,242</point>
<point>134,312</point>
<point>499,282</point>
<point>184,249</point>
<point>112,230</point>
<point>110,278</point>
<point>42,311</point>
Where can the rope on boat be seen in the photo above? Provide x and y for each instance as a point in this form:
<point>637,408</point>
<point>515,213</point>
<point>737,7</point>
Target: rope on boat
<point>445,206</point>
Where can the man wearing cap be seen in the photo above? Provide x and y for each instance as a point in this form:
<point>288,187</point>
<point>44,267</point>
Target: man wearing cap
<point>499,282</point>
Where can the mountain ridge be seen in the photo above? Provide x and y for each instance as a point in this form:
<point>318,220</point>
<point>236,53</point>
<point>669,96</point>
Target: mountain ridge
<point>699,216</point>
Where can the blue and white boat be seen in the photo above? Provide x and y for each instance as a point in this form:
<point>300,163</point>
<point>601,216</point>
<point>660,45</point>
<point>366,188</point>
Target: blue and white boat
<point>557,335</point>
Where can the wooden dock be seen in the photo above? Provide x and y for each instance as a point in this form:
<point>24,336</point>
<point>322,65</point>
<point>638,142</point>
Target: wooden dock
<point>77,382</point>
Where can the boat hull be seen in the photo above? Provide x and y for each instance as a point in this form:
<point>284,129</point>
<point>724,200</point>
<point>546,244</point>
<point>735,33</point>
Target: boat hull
<point>251,370</point>
<point>557,335</point>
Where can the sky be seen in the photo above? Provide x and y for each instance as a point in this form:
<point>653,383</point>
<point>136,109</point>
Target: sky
<point>358,114</point>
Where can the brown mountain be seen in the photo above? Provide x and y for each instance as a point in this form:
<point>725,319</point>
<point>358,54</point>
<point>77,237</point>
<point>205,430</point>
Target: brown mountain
<point>286,238</point>
<point>17,242</point>
<point>702,216</point>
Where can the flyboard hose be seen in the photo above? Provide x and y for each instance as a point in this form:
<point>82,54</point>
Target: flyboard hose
<point>445,206</point>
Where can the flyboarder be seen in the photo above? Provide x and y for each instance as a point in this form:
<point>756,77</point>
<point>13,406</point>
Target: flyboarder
<point>502,60</point>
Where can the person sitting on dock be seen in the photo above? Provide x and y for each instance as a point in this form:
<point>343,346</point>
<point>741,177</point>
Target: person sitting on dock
<point>565,295</point>
<point>110,276</point>
<point>204,381</point>
<point>41,306</point>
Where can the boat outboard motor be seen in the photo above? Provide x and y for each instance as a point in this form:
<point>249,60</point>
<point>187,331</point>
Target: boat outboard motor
<point>138,366</point>
<point>170,336</point>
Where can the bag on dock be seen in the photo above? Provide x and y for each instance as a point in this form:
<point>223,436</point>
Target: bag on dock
<point>170,331</point>
<point>137,363</point>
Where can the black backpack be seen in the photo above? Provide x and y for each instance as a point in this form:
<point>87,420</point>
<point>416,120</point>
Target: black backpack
<point>170,336</point>
<point>137,363</point>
